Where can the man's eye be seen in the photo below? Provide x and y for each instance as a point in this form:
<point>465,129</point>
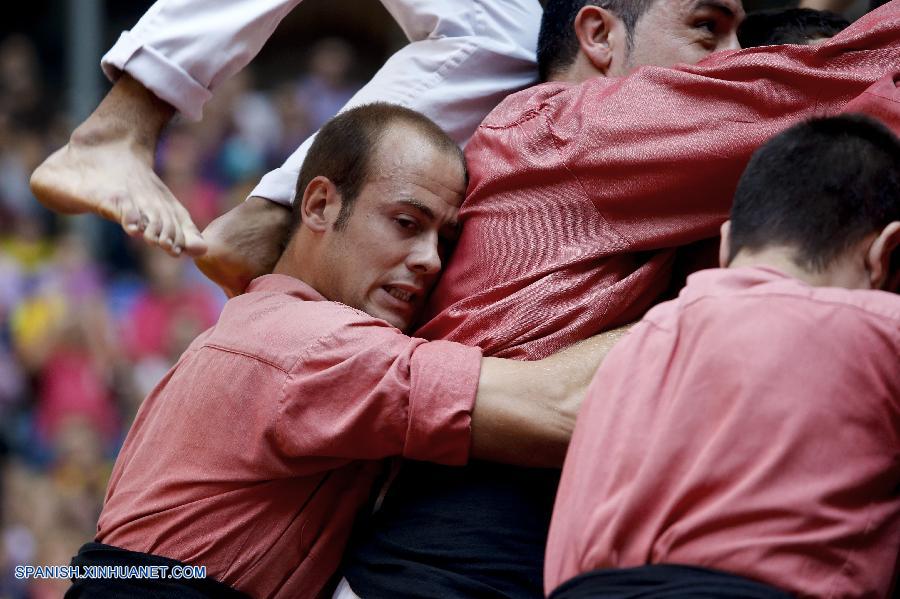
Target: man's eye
<point>708,25</point>
<point>406,224</point>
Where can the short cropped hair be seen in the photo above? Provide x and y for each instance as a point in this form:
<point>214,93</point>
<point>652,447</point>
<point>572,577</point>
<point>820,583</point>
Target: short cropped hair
<point>791,26</point>
<point>557,42</point>
<point>345,146</point>
<point>819,187</point>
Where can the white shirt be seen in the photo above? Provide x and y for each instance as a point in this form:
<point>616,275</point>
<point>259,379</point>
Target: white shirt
<point>464,57</point>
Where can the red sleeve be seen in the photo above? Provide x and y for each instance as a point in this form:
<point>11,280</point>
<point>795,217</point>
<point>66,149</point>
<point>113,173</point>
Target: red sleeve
<point>367,392</point>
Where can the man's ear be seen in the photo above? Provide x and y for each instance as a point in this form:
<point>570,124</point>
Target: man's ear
<point>321,204</point>
<point>878,258</point>
<point>593,28</point>
<point>725,244</point>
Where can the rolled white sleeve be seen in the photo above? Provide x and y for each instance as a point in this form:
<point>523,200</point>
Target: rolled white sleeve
<point>463,59</point>
<point>182,49</point>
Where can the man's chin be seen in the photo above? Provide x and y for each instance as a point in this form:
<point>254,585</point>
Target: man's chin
<point>397,313</point>
<point>392,318</point>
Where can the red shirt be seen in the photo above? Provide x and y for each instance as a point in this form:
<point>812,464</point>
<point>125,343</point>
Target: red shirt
<point>579,194</point>
<point>752,426</point>
<point>255,452</point>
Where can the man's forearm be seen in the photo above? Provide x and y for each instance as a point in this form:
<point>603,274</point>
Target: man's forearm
<point>525,411</point>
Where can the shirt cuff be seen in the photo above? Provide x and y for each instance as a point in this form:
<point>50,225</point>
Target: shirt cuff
<point>277,186</point>
<point>165,79</point>
<point>443,383</point>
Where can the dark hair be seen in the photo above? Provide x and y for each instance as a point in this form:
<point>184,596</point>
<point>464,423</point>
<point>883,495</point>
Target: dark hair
<point>791,26</point>
<point>345,146</point>
<point>557,43</point>
<point>819,187</point>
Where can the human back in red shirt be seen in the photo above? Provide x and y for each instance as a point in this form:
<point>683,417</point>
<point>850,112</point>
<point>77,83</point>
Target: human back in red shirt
<point>752,426</point>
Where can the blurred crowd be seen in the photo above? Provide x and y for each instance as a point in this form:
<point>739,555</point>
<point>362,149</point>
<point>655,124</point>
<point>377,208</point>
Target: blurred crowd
<point>90,320</point>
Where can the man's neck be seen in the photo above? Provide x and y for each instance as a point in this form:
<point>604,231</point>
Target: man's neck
<point>837,274</point>
<point>292,265</point>
<point>284,267</point>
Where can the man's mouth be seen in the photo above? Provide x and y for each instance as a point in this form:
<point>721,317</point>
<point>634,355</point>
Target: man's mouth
<point>400,294</point>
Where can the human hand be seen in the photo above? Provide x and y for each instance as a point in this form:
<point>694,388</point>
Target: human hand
<point>244,243</point>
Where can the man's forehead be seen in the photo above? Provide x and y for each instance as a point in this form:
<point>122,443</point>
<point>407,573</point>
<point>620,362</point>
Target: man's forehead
<point>734,8</point>
<point>419,176</point>
<point>730,8</point>
<point>440,173</point>
<point>408,156</point>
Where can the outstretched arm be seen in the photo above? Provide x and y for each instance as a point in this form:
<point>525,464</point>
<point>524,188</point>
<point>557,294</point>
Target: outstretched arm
<point>379,393</point>
<point>525,411</point>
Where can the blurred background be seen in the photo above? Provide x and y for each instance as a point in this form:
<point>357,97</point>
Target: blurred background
<point>89,319</point>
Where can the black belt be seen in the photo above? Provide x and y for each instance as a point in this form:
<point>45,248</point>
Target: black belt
<point>663,581</point>
<point>92,558</point>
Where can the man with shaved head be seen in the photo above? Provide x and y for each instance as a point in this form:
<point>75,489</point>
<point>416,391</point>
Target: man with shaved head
<point>256,452</point>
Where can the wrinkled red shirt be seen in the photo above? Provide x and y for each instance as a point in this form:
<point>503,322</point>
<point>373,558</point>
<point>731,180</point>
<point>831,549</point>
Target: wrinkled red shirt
<point>752,426</point>
<point>579,193</point>
<point>255,452</point>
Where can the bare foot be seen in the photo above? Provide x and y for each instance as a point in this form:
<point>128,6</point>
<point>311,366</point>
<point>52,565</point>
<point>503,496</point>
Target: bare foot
<point>112,181</point>
<point>107,169</point>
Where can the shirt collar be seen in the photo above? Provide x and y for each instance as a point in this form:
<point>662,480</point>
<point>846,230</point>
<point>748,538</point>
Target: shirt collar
<point>285,284</point>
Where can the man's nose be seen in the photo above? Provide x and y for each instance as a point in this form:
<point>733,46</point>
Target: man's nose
<point>425,259</point>
<point>733,43</point>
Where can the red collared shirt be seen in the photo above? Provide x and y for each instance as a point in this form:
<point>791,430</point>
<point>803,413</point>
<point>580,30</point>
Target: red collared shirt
<point>580,193</point>
<point>753,426</point>
<point>255,452</point>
